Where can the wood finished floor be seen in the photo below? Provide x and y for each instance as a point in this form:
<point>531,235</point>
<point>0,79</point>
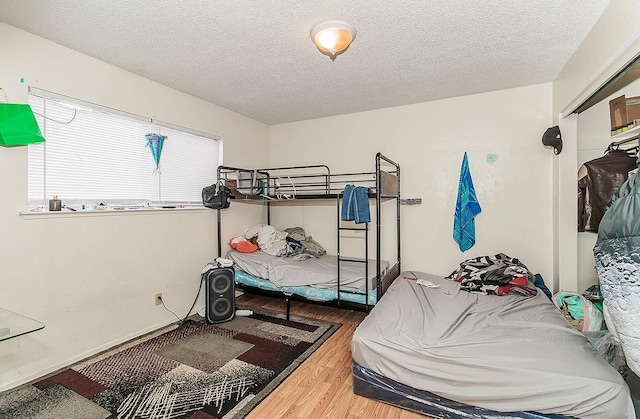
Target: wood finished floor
<point>322,386</point>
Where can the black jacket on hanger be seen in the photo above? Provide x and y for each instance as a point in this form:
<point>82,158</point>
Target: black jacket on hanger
<point>598,180</point>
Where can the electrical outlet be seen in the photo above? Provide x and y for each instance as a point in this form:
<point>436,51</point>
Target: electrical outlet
<point>158,299</point>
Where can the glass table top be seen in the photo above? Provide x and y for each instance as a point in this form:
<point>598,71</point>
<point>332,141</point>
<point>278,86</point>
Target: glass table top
<point>13,325</point>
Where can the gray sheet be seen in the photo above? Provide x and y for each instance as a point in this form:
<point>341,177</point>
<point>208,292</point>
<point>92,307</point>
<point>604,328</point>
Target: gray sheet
<point>505,353</point>
<point>319,272</point>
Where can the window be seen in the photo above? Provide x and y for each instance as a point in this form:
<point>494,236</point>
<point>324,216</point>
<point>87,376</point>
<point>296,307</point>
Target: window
<point>97,155</point>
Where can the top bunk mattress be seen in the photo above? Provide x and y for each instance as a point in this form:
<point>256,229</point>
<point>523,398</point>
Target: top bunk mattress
<point>321,272</point>
<point>506,353</point>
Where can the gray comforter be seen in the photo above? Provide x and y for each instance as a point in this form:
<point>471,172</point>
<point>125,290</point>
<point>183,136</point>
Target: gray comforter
<point>505,353</point>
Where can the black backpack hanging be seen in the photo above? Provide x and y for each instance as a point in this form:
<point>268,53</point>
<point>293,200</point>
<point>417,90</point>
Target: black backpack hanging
<point>216,196</point>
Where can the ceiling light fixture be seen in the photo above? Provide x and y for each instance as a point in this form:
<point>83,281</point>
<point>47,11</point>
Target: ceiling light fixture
<point>333,37</point>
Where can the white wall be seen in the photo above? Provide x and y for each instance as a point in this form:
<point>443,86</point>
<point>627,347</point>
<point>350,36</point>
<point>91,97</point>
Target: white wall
<point>429,140</point>
<point>92,280</point>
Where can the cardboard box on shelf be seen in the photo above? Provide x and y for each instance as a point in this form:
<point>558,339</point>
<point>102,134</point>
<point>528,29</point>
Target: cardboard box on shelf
<point>624,110</point>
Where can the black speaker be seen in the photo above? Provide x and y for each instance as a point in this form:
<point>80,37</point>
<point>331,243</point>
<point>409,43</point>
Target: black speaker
<point>220,296</point>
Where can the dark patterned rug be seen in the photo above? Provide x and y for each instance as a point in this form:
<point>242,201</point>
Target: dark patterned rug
<point>195,371</point>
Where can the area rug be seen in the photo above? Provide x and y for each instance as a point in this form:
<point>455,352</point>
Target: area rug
<point>194,371</point>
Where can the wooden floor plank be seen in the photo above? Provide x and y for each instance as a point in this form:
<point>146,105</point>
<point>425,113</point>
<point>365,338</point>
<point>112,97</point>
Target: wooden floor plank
<point>322,386</point>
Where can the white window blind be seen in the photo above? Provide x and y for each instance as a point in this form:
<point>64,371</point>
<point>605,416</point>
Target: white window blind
<point>93,154</point>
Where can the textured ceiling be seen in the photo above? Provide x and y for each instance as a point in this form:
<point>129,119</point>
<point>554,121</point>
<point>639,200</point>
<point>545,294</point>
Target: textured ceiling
<point>256,57</point>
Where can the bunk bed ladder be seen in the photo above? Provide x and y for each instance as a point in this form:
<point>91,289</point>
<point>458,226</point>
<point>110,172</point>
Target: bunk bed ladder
<point>341,259</point>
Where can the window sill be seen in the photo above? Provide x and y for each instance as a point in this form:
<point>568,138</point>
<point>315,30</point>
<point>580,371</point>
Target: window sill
<point>40,214</point>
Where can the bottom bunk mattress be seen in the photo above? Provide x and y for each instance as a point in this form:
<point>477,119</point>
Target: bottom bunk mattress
<point>320,272</point>
<point>309,293</point>
<point>505,353</point>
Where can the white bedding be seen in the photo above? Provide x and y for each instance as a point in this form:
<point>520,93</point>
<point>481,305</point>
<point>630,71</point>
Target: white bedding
<point>316,272</point>
<point>505,353</point>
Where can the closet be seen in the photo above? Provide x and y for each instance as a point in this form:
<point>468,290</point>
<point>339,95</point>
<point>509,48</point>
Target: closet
<point>594,140</point>
<point>604,67</point>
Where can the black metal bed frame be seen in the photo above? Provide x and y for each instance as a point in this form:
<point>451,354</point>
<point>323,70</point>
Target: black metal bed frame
<point>316,182</point>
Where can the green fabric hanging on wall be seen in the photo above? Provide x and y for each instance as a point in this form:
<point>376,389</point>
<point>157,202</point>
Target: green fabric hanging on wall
<point>18,125</point>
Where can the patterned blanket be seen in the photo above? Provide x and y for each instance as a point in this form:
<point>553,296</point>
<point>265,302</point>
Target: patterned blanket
<point>498,275</point>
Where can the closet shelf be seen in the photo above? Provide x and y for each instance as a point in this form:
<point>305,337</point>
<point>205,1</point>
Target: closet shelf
<point>631,132</point>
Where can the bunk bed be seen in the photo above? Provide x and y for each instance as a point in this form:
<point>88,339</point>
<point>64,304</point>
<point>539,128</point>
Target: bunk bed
<point>432,347</point>
<point>337,280</point>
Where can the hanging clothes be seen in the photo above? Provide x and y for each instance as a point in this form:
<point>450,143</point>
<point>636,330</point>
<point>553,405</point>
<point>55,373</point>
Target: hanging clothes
<point>598,180</point>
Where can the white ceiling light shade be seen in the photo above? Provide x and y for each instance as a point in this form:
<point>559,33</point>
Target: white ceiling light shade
<point>332,37</point>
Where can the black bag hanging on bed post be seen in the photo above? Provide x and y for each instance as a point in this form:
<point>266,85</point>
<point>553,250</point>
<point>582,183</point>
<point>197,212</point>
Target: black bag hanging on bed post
<point>216,196</point>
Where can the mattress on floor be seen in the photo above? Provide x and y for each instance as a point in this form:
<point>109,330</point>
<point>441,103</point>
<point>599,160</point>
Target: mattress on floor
<point>319,272</point>
<point>504,353</point>
<point>371,385</point>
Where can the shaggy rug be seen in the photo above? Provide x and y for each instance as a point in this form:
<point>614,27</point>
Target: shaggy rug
<point>194,371</point>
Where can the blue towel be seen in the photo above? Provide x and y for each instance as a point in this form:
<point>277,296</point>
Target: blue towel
<point>467,207</point>
<point>355,204</point>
